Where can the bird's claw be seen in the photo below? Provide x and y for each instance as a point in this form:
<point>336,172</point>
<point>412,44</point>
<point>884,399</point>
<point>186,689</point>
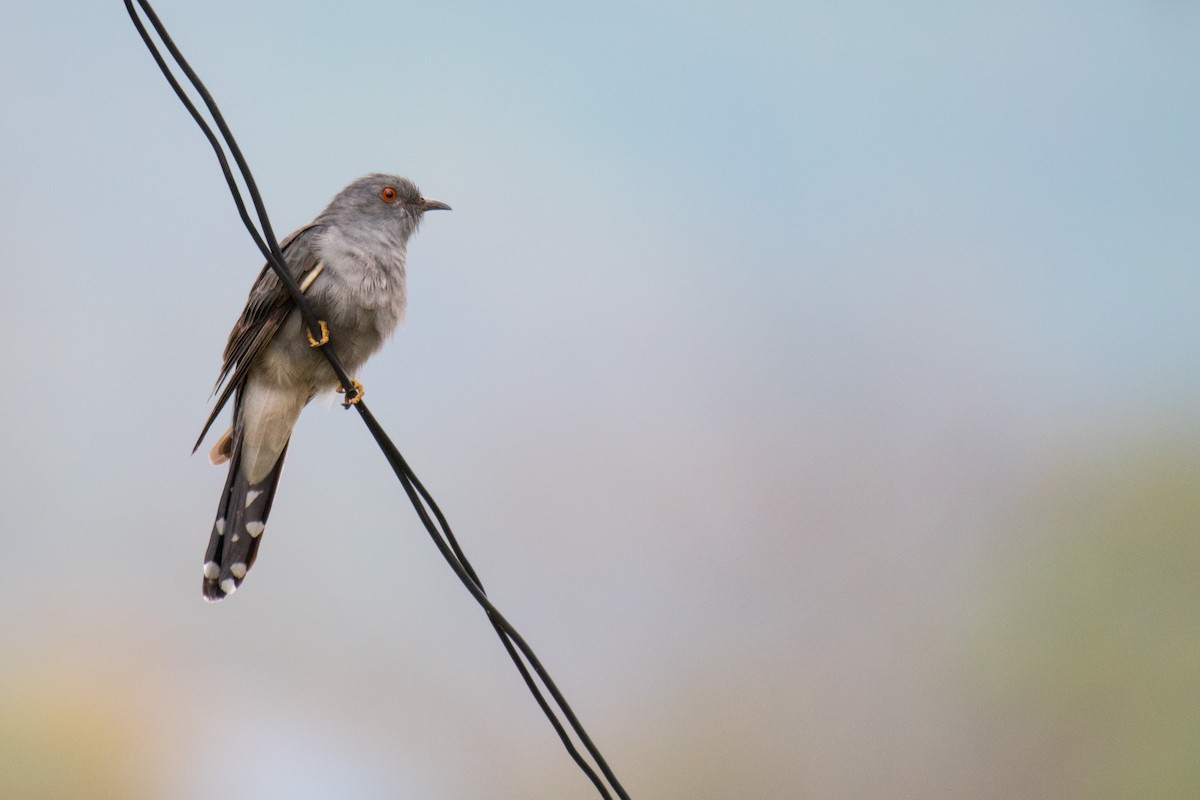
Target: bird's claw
<point>312,342</point>
<point>354,395</point>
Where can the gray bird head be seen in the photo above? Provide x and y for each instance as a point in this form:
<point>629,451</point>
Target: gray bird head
<point>383,202</point>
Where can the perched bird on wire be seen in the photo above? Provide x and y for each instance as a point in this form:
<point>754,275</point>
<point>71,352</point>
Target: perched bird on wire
<point>350,262</point>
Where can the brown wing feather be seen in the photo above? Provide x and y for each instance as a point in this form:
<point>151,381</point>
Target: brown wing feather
<point>266,308</point>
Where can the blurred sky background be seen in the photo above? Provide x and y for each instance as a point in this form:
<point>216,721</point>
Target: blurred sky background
<point>814,386</point>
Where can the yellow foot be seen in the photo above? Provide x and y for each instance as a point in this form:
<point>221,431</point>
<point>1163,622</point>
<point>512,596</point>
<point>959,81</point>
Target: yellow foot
<point>324,335</point>
<point>354,395</point>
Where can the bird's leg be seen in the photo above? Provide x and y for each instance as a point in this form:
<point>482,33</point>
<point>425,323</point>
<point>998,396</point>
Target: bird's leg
<point>312,342</point>
<point>354,395</point>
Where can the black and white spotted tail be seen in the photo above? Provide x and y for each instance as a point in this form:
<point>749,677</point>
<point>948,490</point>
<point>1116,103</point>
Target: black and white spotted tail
<point>237,531</point>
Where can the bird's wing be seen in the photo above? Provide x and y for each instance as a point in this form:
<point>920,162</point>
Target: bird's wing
<point>266,308</point>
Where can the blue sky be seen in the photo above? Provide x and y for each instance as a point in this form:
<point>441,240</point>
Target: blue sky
<point>752,328</point>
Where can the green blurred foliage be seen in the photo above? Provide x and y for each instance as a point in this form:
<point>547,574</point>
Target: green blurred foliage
<point>1092,664</point>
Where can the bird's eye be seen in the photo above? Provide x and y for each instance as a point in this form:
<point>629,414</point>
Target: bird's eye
<point>388,194</point>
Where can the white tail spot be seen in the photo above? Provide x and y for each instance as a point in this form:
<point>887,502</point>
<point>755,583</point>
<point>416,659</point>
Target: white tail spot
<point>220,526</point>
<point>211,570</point>
<point>228,587</point>
<point>237,570</point>
<point>251,496</point>
<point>255,529</point>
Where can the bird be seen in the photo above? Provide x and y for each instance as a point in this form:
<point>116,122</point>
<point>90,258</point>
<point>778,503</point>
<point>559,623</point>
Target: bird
<point>351,263</point>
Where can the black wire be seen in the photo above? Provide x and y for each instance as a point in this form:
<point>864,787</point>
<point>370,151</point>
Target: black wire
<point>507,633</point>
<point>270,247</point>
<point>409,479</point>
<point>418,495</point>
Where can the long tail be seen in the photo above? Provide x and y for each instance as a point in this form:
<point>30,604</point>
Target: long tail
<point>241,517</point>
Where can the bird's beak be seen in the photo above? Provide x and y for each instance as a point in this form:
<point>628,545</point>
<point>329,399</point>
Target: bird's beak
<point>433,205</point>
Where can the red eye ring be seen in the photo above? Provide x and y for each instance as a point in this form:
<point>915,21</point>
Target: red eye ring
<point>388,194</point>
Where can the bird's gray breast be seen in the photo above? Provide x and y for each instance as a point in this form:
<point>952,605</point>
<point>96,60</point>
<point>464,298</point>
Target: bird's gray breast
<point>361,290</point>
